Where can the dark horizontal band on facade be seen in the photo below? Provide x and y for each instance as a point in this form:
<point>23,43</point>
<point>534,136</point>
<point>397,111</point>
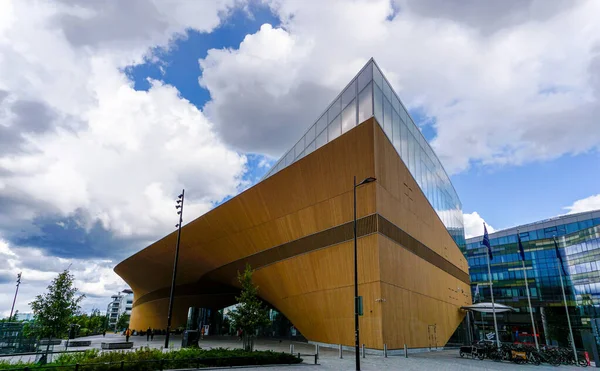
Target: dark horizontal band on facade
<point>367,225</point>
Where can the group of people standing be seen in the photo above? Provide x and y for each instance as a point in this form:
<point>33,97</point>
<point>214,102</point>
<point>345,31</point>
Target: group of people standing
<point>149,334</point>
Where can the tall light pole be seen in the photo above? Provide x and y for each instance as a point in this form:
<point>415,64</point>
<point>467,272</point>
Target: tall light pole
<point>15,299</point>
<point>356,297</point>
<point>179,206</point>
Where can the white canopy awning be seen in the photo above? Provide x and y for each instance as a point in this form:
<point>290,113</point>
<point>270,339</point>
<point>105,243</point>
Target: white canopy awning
<point>487,308</point>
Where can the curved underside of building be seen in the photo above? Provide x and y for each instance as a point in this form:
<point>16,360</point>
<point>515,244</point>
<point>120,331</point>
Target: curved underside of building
<point>295,230</point>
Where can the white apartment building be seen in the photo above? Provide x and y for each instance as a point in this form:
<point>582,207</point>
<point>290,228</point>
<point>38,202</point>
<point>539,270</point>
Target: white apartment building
<point>120,304</point>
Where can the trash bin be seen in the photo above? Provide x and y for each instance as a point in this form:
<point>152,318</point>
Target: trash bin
<point>189,339</point>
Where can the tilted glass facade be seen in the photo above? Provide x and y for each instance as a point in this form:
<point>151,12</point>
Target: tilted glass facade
<point>578,239</point>
<point>370,94</point>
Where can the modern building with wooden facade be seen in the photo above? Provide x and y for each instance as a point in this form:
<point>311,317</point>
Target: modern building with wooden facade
<point>295,230</point>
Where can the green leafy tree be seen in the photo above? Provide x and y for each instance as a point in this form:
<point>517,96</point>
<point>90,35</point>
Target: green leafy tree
<point>55,309</point>
<point>250,314</point>
<point>123,322</point>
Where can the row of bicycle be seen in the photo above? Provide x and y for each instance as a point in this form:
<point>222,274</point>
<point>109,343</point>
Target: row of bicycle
<point>520,353</point>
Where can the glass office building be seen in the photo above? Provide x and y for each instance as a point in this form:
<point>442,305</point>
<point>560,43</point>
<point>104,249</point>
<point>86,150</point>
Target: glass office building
<point>370,94</point>
<point>578,239</point>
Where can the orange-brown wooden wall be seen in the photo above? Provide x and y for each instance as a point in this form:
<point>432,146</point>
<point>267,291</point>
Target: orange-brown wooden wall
<point>403,294</point>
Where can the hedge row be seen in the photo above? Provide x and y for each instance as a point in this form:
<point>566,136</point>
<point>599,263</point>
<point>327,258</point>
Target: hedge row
<point>146,359</point>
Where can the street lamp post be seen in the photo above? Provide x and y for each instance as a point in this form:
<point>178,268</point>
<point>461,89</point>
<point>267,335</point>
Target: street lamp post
<point>15,299</point>
<point>179,206</point>
<point>356,297</point>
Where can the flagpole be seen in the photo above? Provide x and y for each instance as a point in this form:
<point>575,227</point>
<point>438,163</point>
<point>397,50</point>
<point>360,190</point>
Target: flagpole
<point>537,345</point>
<point>562,287</point>
<point>486,243</point>
<point>522,252</point>
<point>479,298</point>
<point>493,304</point>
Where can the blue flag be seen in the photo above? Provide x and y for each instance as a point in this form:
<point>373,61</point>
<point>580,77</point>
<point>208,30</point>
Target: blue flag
<point>521,250</point>
<point>486,241</point>
<point>560,261</point>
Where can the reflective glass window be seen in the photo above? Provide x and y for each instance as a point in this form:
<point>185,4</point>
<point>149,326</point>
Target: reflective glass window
<point>572,227</point>
<point>378,102</point>
<point>377,76</point>
<point>335,128</point>
<point>322,124</point>
<point>596,221</point>
<point>404,142</point>
<point>404,117</point>
<point>311,147</point>
<point>387,118</point>
<point>365,76</point>
<point>395,102</point>
<point>321,139</point>
<point>411,154</point>
<point>365,103</point>
<point>299,147</point>
<point>387,91</point>
<point>289,158</point>
<point>349,94</point>
<point>533,235</point>
<point>334,110</point>
<point>417,173</point>
<point>396,130</point>
<point>349,117</point>
<point>585,224</point>
<point>310,134</point>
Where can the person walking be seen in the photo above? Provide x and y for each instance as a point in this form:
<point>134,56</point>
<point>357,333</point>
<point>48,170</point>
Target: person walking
<point>104,333</point>
<point>151,334</point>
<point>148,334</point>
<point>127,334</point>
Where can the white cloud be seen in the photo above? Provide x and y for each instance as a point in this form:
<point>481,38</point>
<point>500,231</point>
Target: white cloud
<point>94,278</point>
<point>506,85</point>
<point>585,204</point>
<point>110,154</point>
<point>474,225</point>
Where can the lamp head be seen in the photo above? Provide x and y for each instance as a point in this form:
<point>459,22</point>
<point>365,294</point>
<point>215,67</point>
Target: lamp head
<point>367,180</point>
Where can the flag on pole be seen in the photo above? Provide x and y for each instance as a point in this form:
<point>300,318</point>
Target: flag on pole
<point>560,261</point>
<point>486,241</point>
<point>521,250</point>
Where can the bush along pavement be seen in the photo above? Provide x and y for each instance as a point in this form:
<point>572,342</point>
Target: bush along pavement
<point>146,359</point>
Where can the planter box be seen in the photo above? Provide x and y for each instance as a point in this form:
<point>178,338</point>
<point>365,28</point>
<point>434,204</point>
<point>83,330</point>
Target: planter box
<point>119,345</point>
<point>80,343</point>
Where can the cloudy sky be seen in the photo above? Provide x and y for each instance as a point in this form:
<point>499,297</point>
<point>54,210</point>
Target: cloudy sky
<point>109,108</point>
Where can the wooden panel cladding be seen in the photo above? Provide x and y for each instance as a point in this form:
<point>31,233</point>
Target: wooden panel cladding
<point>364,226</point>
<point>403,203</point>
<point>226,273</point>
<point>295,230</point>
<point>416,247</point>
<point>315,291</point>
<point>309,196</point>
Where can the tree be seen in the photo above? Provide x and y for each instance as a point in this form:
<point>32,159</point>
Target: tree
<point>123,322</point>
<point>54,310</point>
<point>250,313</point>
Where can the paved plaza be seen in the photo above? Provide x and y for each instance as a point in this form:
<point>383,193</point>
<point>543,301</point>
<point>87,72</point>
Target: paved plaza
<point>441,360</point>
